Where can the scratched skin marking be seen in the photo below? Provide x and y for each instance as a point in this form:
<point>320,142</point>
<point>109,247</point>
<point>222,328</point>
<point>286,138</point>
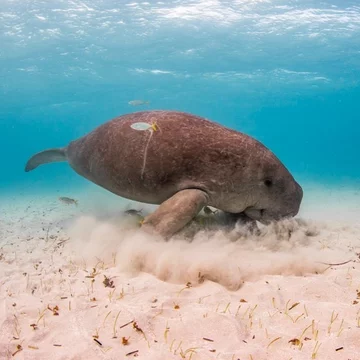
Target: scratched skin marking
<point>143,126</point>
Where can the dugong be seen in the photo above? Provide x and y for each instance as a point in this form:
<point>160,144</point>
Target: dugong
<point>181,162</point>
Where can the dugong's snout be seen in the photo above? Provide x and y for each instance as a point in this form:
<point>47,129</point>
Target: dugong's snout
<point>288,206</point>
<point>297,199</point>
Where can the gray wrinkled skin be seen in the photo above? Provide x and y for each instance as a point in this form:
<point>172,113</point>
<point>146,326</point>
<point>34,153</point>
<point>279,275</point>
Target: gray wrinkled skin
<point>228,169</point>
<point>186,152</point>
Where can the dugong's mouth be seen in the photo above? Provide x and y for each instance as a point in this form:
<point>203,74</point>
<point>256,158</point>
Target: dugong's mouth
<point>264,216</point>
<point>255,214</point>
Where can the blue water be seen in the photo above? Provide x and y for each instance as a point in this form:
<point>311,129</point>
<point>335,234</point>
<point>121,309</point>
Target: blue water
<point>286,72</point>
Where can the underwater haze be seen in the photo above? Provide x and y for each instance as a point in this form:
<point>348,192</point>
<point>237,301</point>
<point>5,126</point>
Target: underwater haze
<point>286,72</point>
<point>87,275</point>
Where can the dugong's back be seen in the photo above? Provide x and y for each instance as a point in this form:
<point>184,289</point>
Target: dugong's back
<point>149,165</point>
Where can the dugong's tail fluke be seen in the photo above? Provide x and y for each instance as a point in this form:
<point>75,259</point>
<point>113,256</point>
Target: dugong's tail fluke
<point>46,156</point>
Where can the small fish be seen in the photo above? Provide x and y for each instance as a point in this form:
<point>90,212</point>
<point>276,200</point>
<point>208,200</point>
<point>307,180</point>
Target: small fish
<point>67,200</point>
<point>142,126</point>
<point>133,212</point>
<point>208,211</point>
<point>138,102</point>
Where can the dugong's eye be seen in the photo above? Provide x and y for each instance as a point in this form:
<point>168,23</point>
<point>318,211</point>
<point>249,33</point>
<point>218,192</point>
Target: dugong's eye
<point>268,182</point>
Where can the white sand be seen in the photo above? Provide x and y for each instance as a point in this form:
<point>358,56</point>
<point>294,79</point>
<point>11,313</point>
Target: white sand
<point>212,298</point>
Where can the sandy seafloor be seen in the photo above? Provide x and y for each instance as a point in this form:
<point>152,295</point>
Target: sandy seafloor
<point>225,295</point>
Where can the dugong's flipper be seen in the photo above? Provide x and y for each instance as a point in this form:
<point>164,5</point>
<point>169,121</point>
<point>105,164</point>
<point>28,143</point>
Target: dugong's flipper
<point>47,156</point>
<point>174,213</point>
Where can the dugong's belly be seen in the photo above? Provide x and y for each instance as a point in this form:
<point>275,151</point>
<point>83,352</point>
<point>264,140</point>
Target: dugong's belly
<point>151,180</point>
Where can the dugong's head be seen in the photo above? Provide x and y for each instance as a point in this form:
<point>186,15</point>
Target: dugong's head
<point>275,194</point>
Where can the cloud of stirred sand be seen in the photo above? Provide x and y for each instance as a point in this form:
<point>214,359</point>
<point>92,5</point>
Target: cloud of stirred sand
<point>228,257</point>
